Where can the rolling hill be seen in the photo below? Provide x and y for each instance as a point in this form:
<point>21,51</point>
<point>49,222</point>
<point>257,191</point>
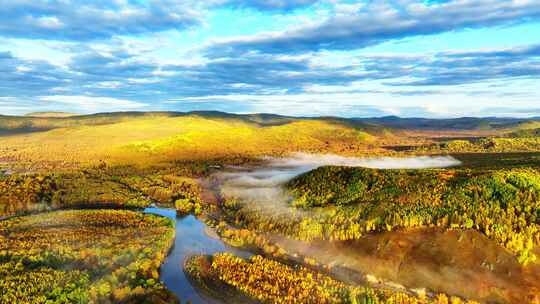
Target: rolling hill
<point>147,138</point>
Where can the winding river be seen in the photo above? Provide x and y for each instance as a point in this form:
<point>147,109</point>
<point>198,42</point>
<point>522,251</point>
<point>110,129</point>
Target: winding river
<point>262,186</point>
<point>191,239</point>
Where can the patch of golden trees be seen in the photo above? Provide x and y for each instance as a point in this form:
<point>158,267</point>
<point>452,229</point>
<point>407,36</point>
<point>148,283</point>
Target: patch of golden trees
<point>270,281</point>
<point>82,256</point>
<point>346,203</point>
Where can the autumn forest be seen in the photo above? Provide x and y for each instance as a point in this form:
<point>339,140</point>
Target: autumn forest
<point>211,207</point>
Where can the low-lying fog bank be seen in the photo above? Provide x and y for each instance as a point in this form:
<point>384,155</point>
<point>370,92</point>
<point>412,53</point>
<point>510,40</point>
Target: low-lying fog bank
<point>464,263</point>
<point>264,184</point>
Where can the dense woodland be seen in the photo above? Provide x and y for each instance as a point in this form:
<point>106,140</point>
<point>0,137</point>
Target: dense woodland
<point>92,256</point>
<point>486,145</point>
<point>125,187</point>
<point>346,203</point>
<point>270,281</point>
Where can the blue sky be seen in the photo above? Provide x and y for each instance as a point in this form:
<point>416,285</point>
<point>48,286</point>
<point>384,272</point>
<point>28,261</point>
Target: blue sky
<point>296,57</point>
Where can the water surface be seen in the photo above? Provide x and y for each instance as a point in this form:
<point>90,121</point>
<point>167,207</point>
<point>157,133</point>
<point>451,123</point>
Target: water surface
<point>262,186</point>
<point>191,239</point>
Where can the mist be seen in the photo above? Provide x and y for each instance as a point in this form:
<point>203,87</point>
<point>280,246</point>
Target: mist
<point>262,187</point>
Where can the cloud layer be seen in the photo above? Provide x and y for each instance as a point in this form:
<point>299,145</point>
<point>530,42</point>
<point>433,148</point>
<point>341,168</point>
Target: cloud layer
<point>375,22</point>
<point>270,5</point>
<point>195,55</point>
<point>244,83</point>
<point>104,72</point>
<point>87,20</point>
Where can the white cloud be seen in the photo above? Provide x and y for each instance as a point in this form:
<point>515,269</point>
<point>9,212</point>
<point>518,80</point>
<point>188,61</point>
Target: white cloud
<point>380,21</point>
<point>52,23</point>
<point>142,62</point>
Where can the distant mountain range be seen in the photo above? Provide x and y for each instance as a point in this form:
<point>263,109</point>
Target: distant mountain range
<point>50,114</point>
<point>42,121</point>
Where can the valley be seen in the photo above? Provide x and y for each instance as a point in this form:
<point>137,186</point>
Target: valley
<point>211,207</point>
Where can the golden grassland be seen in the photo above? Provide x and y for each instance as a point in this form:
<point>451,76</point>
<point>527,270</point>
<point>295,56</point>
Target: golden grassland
<point>146,139</point>
<point>149,140</point>
<point>270,281</point>
<point>90,256</point>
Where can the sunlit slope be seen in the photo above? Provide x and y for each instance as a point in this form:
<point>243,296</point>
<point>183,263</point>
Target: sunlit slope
<point>503,204</point>
<point>529,129</point>
<point>226,139</point>
<point>147,139</point>
<point>42,122</point>
<point>51,114</point>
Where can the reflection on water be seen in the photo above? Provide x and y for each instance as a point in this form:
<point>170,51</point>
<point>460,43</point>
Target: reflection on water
<point>191,239</point>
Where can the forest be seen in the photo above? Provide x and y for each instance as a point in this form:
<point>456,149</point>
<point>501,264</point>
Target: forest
<point>82,257</point>
<point>273,282</point>
<point>75,228</point>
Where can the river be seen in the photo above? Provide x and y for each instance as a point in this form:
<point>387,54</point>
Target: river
<point>263,187</point>
<point>191,239</point>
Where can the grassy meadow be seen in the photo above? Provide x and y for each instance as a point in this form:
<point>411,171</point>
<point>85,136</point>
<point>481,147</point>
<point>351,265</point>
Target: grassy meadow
<point>146,140</point>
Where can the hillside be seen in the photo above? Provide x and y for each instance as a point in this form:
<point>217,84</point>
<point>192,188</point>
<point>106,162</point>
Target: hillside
<point>39,121</point>
<point>526,133</point>
<point>501,204</point>
<point>524,130</point>
<point>24,124</point>
<point>149,138</point>
<point>463,123</point>
<point>51,114</point>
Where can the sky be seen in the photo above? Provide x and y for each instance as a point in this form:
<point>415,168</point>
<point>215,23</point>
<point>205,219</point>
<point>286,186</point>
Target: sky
<point>446,58</point>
